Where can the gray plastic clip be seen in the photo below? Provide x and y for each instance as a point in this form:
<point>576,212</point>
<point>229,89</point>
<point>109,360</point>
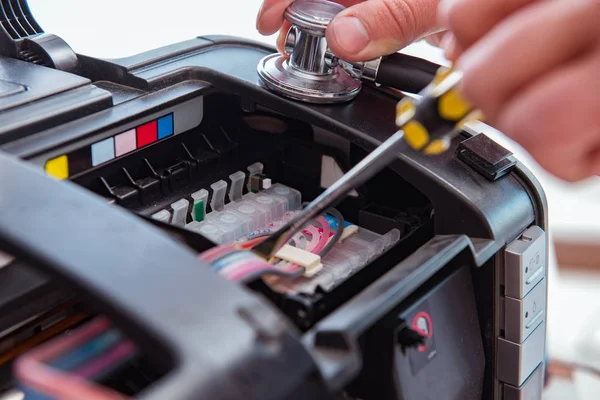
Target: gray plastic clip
<point>162,216</point>
<point>217,203</point>
<point>180,208</point>
<point>237,185</point>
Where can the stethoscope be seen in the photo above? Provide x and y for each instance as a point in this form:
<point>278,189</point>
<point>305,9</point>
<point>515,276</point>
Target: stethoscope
<point>310,72</point>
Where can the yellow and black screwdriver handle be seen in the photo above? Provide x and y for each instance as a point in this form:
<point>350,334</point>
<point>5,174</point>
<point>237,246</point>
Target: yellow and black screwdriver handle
<point>430,122</point>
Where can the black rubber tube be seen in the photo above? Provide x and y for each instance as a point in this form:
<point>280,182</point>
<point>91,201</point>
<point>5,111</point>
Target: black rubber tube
<point>406,73</point>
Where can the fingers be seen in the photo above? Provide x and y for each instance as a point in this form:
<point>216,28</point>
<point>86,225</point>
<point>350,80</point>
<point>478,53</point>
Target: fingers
<point>282,35</point>
<point>526,46</point>
<point>469,20</point>
<point>270,16</point>
<point>556,119</point>
<point>271,19</point>
<point>366,29</point>
<point>374,28</point>
<point>451,47</point>
<point>436,39</point>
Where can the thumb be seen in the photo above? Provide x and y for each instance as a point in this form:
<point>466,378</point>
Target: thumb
<point>376,28</point>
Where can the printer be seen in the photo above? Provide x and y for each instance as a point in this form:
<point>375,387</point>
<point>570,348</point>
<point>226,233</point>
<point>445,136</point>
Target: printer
<point>434,288</point>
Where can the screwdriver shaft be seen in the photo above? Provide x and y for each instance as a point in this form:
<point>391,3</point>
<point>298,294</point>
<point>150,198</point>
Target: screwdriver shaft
<point>373,163</point>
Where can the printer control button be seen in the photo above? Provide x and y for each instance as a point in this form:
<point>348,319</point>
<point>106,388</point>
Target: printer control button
<point>523,316</point>
<point>516,362</point>
<point>525,264</point>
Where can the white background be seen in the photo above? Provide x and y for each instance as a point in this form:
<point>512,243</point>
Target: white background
<point>118,28</point>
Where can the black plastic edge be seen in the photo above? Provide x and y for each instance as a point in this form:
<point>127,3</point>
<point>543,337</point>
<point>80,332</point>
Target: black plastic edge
<point>334,341</point>
<point>60,136</point>
<point>125,279</point>
<point>31,118</point>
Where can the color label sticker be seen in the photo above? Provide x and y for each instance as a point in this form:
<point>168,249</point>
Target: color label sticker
<point>125,142</point>
<point>103,151</point>
<point>83,159</point>
<point>165,126</point>
<point>58,167</point>
<point>80,161</point>
<point>147,134</point>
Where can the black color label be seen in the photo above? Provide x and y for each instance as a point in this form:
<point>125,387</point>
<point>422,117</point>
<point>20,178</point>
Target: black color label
<point>421,321</point>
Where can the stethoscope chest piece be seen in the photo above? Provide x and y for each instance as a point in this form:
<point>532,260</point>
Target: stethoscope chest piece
<point>308,71</point>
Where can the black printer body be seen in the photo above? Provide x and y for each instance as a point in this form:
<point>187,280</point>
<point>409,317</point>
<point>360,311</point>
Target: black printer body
<point>90,147</point>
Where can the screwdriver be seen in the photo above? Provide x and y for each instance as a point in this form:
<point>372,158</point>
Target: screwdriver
<point>426,124</point>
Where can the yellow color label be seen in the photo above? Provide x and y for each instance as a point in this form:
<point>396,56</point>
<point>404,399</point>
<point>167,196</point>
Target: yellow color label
<point>58,167</point>
<point>415,135</point>
<point>437,147</point>
<point>452,106</point>
<point>405,110</point>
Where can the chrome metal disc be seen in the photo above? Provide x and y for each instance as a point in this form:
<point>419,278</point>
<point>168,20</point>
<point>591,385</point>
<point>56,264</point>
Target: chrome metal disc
<point>278,76</point>
<point>313,15</point>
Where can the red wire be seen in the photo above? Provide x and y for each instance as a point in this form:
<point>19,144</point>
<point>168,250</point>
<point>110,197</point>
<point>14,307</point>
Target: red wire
<point>218,251</point>
<point>251,243</point>
<point>324,236</point>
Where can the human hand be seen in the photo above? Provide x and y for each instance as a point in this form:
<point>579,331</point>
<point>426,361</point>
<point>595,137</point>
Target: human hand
<point>533,68</point>
<point>365,30</point>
